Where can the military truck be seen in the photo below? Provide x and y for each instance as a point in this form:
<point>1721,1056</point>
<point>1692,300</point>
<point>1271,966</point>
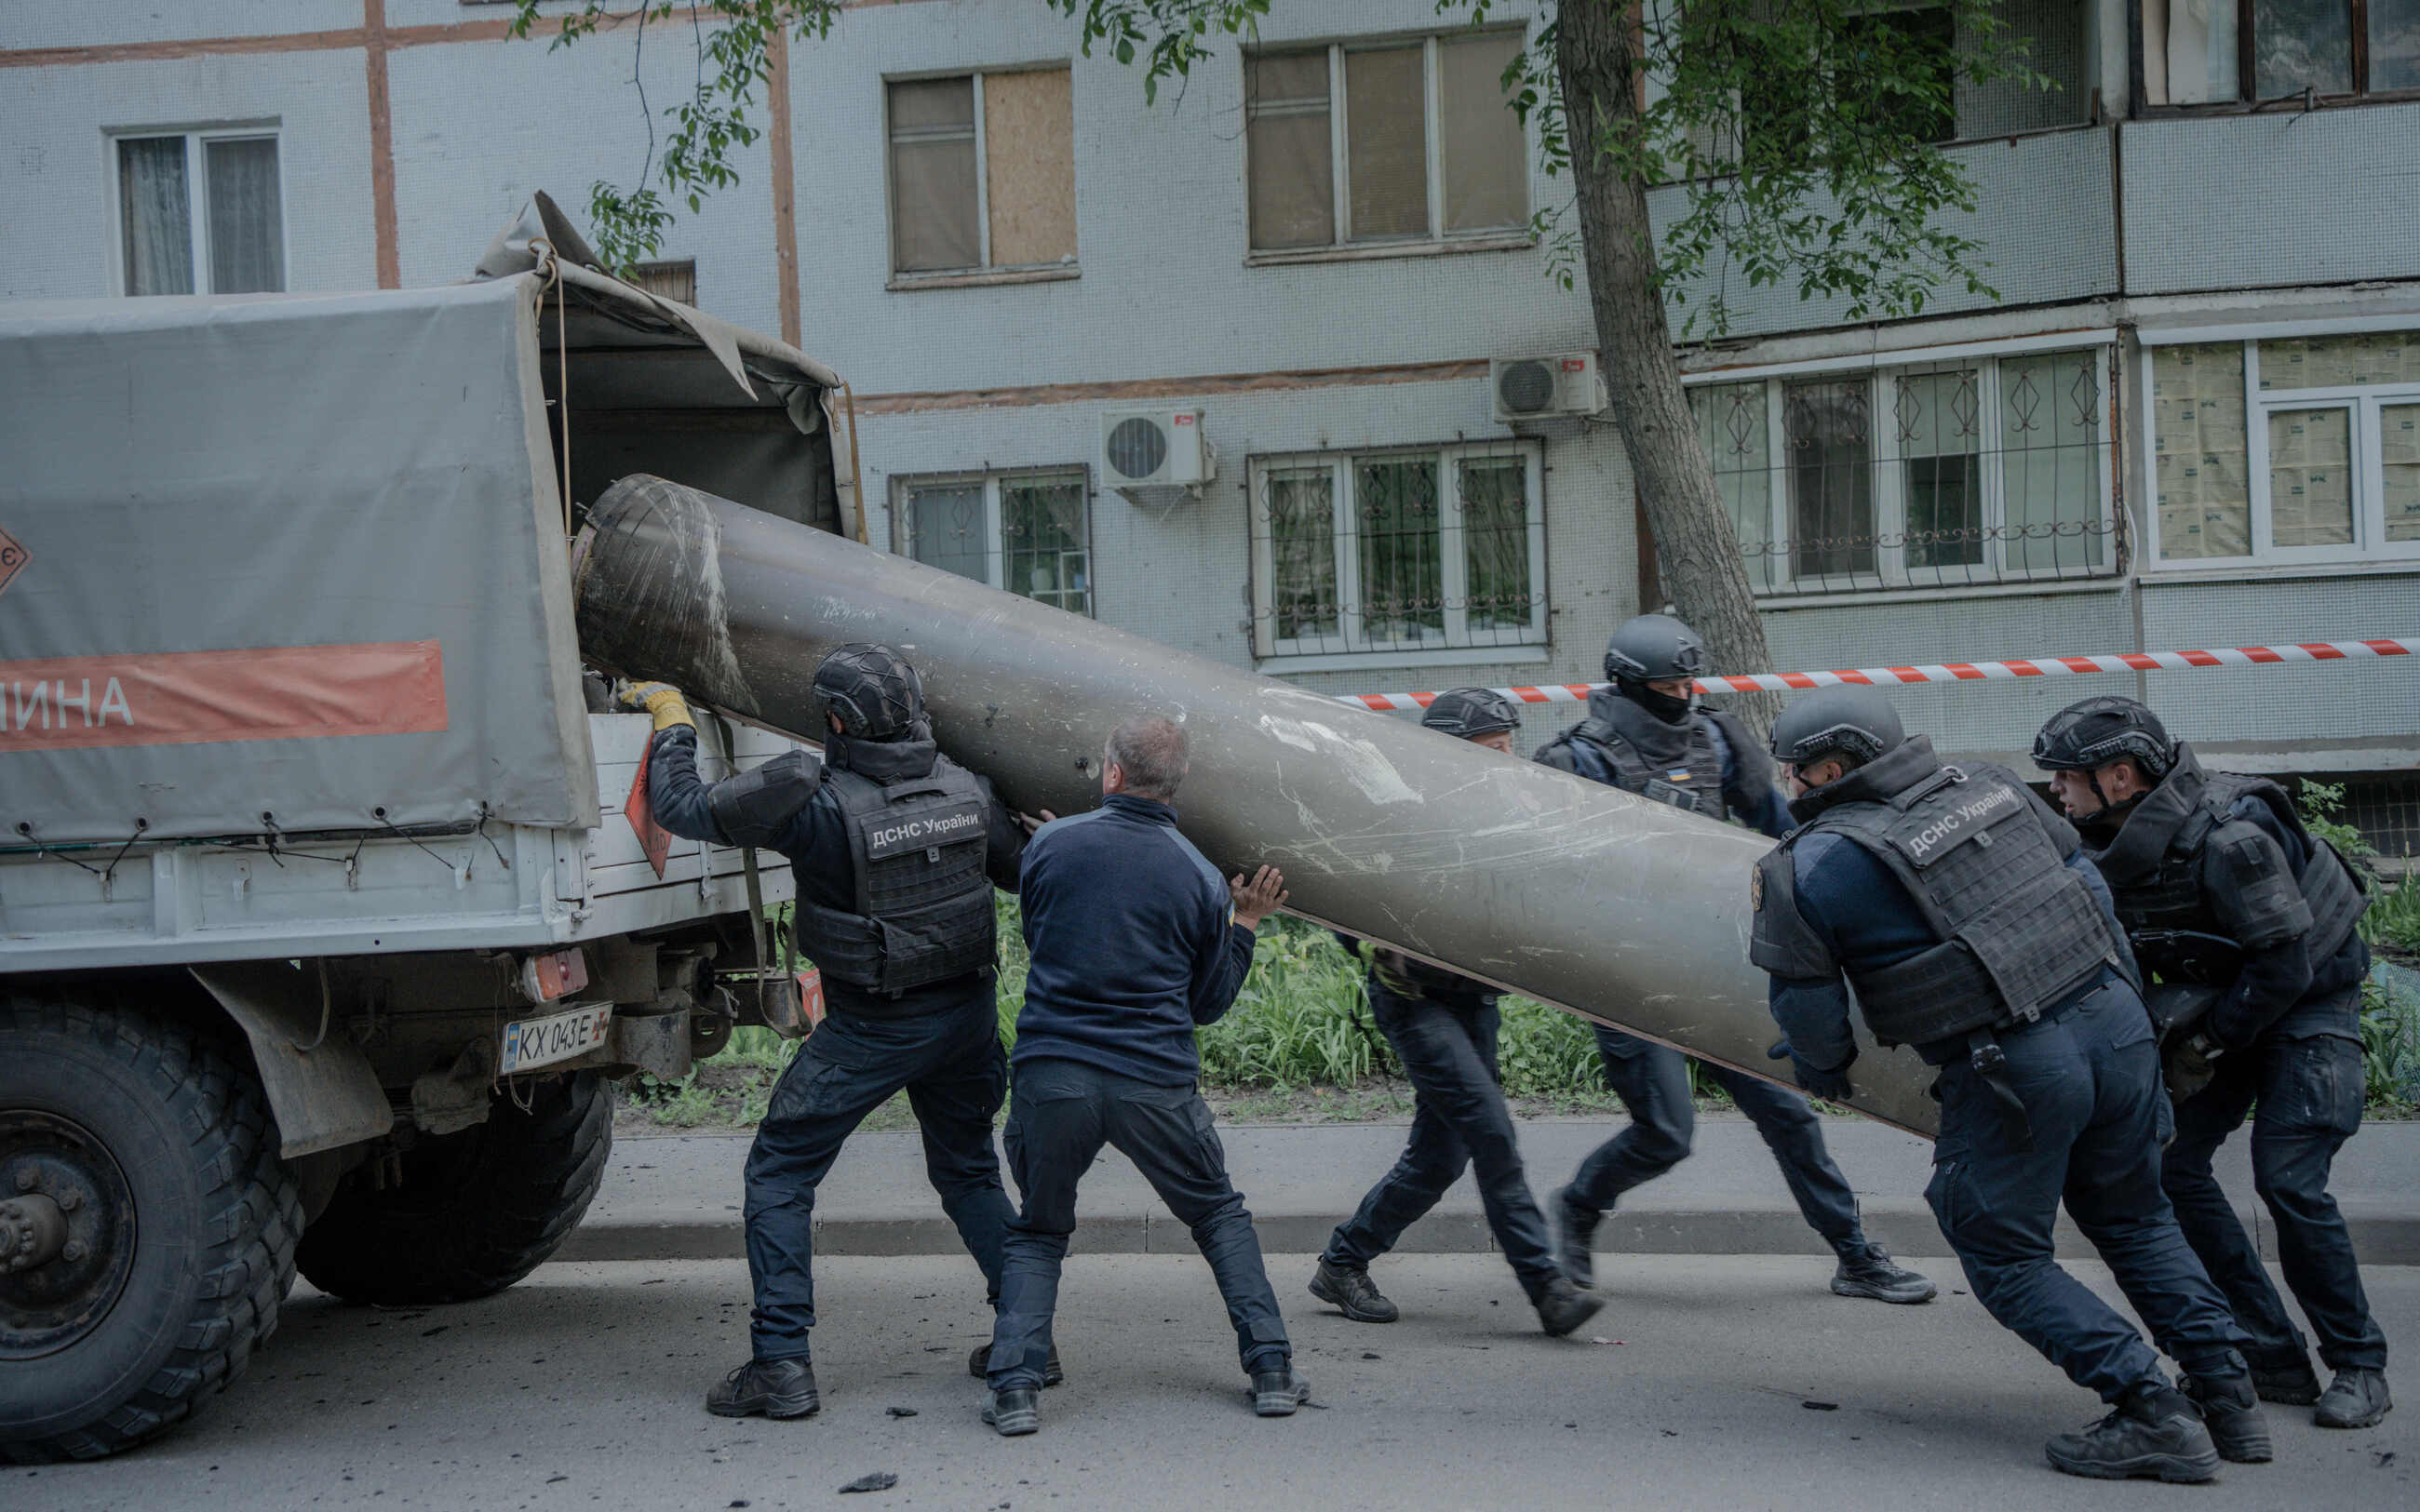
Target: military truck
<point>330,908</point>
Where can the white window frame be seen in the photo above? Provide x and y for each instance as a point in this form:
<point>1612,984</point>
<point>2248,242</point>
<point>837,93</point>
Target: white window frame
<point>2370,542</point>
<point>1453,565</point>
<point>1339,150</point>
<point>1880,373</point>
<point>902,521</point>
<point>197,197</point>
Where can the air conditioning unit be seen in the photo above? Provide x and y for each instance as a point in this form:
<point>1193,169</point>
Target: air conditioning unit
<point>1149,448</point>
<point>1545,388</point>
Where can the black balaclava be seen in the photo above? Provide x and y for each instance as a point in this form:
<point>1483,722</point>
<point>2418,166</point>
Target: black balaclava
<point>1662,705</point>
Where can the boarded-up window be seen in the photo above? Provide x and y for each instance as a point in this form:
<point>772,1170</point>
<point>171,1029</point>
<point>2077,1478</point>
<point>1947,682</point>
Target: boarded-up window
<point>983,172</point>
<point>674,281</point>
<point>1429,146</point>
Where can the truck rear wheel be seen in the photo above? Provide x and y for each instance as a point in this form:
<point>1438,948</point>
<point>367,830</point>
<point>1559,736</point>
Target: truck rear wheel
<point>146,1225</point>
<point>477,1211</point>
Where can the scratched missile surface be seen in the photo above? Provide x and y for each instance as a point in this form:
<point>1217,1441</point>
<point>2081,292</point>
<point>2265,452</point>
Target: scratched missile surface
<point>1595,900</point>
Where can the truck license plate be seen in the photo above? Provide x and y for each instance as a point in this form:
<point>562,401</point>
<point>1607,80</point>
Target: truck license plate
<point>533,1042</point>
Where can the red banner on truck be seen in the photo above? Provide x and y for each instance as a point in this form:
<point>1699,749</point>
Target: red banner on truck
<point>176,698</point>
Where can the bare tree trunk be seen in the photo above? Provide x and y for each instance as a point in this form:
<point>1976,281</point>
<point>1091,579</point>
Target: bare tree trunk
<point>1698,551</point>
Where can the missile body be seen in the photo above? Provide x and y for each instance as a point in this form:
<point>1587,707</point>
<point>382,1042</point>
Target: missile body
<point>1620,909</point>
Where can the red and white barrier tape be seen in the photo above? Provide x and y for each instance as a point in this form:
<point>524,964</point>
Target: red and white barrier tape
<point>1957,671</point>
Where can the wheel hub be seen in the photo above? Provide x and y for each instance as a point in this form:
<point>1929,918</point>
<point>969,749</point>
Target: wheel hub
<point>67,1233</point>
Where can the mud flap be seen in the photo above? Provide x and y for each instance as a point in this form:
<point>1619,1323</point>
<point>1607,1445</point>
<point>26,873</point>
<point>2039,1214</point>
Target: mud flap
<point>320,1086</point>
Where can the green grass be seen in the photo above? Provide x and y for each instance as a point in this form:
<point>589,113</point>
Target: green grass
<point>1299,1042</point>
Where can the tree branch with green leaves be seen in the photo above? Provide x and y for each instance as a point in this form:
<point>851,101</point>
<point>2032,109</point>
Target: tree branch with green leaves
<point>732,41</point>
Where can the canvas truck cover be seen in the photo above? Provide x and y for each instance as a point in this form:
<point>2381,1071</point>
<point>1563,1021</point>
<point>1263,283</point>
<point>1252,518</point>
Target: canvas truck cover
<point>282,564</point>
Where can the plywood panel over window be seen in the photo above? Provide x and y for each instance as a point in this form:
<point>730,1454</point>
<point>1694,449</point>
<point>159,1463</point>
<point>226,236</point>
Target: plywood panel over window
<point>1030,167</point>
<point>2293,449</point>
<point>2199,447</point>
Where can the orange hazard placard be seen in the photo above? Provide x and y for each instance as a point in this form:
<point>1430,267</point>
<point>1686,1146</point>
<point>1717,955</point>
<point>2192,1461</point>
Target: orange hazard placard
<point>12,557</point>
<point>176,698</point>
<point>653,839</point>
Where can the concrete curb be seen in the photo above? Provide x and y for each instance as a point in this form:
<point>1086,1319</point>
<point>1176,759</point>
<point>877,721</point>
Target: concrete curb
<point>2380,1241</point>
<point>678,1197</point>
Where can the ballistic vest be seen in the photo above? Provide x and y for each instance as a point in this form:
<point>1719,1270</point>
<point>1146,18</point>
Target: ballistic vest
<point>2157,866</point>
<point>2018,932</point>
<point>923,906</point>
<point>1674,763</point>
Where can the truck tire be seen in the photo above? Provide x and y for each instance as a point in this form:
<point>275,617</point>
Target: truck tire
<point>156,1226</point>
<point>477,1211</point>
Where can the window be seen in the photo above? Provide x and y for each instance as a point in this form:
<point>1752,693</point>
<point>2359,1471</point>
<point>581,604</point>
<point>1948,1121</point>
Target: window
<point>674,281</point>
<point>1366,144</point>
<point>1416,550</point>
<point>200,211</point>
<point>2293,449</point>
<point>983,172</point>
<point>1928,39</point>
<point>1028,533</point>
<point>1778,119</point>
<point>1980,471</point>
<point>2225,52</point>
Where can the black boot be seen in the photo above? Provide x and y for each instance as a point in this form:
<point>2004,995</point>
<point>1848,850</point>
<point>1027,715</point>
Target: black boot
<point>1574,1226</point>
<point>1349,1288</point>
<point>1012,1413</point>
<point>2231,1411</point>
<point>1870,1273</point>
<point>767,1388</point>
<point>1277,1393</point>
<point>2288,1381</point>
<point>2154,1433</point>
<point>2355,1399</point>
<point>979,1365</point>
<point>1561,1308</point>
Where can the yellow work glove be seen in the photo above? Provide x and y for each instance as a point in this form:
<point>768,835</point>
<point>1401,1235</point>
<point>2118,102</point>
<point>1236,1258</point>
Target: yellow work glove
<point>661,700</point>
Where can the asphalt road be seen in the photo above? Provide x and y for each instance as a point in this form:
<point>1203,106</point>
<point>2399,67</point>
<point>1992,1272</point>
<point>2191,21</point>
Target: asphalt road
<point>580,1389</point>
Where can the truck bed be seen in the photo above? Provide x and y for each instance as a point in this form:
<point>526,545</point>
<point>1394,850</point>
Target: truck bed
<point>506,886</point>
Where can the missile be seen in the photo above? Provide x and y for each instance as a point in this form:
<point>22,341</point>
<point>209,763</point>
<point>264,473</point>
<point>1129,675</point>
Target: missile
<point>1620,909</point>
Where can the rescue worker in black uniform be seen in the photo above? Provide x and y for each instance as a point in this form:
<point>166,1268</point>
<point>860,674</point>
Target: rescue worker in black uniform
<point>1443,1027</point>
<point>895,850</point>
<point>1646,735</point>
<point>1972,925</point>
<point>2249,920</point>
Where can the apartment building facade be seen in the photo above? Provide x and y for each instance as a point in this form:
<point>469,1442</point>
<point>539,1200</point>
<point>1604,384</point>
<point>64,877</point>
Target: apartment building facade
<point>2187,416</point>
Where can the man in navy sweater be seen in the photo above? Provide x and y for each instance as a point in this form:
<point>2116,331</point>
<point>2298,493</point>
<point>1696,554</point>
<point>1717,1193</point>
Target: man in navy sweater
<point>1135,940</point>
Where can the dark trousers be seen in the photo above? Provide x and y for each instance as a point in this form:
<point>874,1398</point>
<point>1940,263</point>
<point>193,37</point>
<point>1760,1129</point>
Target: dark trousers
<point>1652,1082</point>
<point>2307,1094</point>
<point>1064,1111</point>
<point>955,1074</point>
<point>1459,1120</point>
<point>2090,1083</point>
